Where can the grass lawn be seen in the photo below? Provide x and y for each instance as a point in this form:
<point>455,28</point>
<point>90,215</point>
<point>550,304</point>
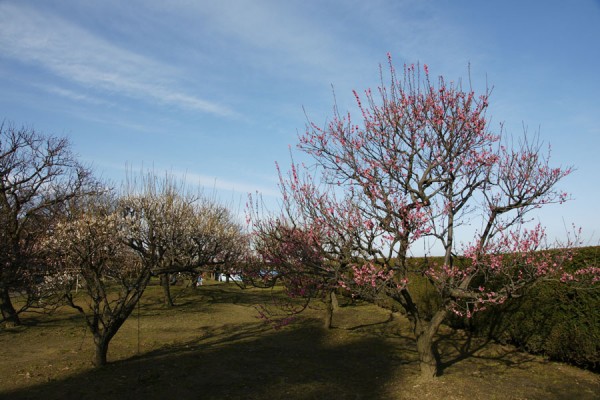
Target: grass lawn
<point>212,346</point>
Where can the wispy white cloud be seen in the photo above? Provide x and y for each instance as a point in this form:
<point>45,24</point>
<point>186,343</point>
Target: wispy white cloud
<point>224,185</point>
<point>76,55</point>
<point>209,183</point>
<point>274,26</point>
<point>289,39</point>
<point>334,42</point>
<point>73,95</point>
<point>419,31</point>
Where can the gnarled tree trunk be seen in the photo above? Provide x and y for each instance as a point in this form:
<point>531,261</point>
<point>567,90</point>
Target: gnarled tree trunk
<point>429,358</point>
<point>102,337</point>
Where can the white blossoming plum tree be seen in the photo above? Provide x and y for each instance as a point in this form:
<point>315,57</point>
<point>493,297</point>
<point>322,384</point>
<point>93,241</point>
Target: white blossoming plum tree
<point>176,231</point>
<point>87,248</point>
<point>111,246</point>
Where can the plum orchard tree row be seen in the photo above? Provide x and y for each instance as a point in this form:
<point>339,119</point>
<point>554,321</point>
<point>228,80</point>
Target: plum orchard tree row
<point>421,163</point>
<point>63,233</point>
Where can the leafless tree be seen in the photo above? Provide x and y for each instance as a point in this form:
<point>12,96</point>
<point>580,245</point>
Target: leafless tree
<point>38,175</point>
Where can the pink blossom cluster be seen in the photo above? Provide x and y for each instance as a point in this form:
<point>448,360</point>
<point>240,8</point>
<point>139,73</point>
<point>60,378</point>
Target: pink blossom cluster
<point>591,274</point>
<point>509,262</point>
<point>369,274</point>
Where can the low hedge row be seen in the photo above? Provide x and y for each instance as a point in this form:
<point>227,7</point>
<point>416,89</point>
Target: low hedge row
<point>553,319</point>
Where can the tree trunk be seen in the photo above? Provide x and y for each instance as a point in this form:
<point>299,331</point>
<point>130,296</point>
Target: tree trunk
<point>429,358</point>
<point>9,314</point>
<point>328,317</point>
<point>166,286</point>
<point>101,343</point>
<point>334,301</point>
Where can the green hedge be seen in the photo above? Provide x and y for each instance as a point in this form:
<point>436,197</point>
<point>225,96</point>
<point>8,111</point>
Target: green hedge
<point>552,319</point>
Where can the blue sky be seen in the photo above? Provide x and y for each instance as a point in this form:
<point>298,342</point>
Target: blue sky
<point>216,89</point>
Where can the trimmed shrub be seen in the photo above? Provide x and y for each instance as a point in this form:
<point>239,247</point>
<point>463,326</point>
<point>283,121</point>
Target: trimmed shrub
<point>553,319</point>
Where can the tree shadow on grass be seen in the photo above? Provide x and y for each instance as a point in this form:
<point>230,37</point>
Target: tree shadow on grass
<point>241,361</point>
<point>207,295</point>
<point>231,294</point>
<point>468,343</point>
<point>458,349</point>
<point>457,346</point>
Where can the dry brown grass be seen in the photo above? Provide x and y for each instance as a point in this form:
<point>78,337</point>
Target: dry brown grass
<point>212,346</point>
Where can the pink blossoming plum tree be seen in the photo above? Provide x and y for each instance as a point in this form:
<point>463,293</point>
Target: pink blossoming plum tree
<point>421,163</point>
<point>309,247</point>
<point>294,257</point>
